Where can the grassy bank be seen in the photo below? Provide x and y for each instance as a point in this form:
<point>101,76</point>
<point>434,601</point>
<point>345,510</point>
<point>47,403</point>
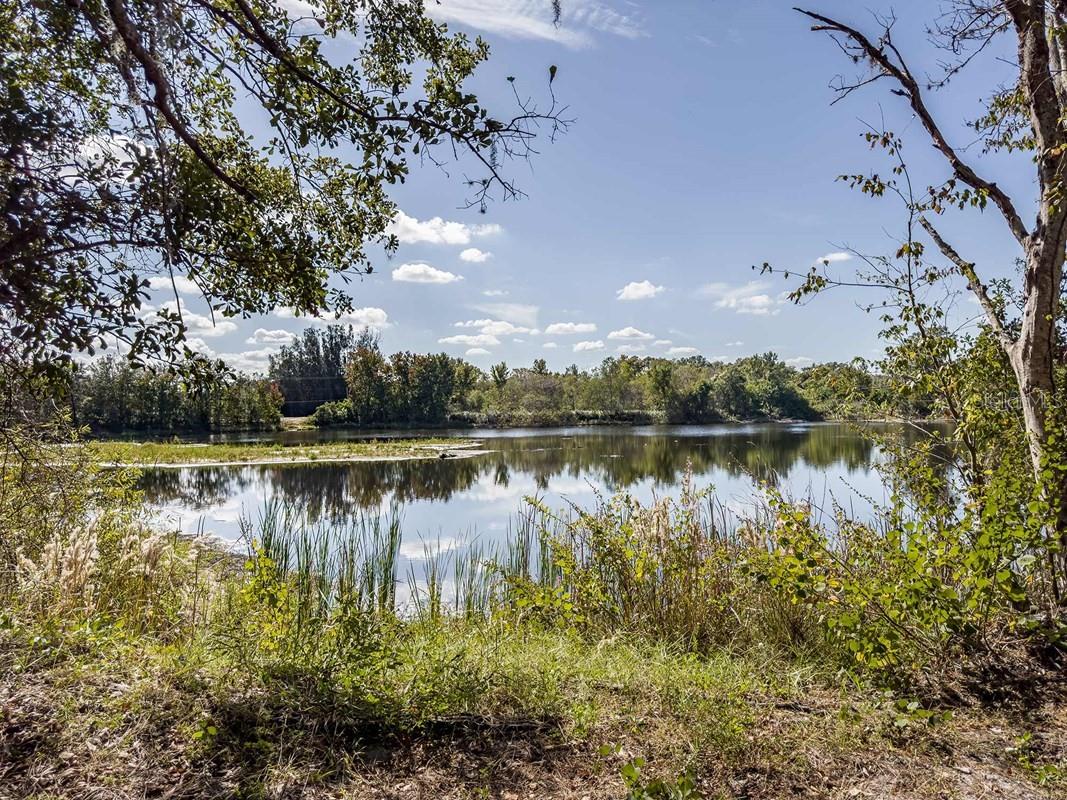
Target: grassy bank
<point>189,454</point>
<point>627,651</point>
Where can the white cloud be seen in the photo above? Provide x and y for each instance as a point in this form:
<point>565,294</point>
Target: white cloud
<point>800,361</point>
<point>532,19</point>
<point>735,344</point>
<point>630,348</point>
<point>477,351</point>
<point>471,340</point>
<point>550,345</point>
<point>196,324</point>
<point>369,317</point>
<point>495,293</point>
<point>436,230</point>
<point>511,312</point>
<point>181,283</point>
<point>682,351</point>
<point>568,328</point>
<point>630,332</point>
<point>639,290</point>
<point>835,258</point>
<point>257,360</point>
<point>249,360</point>
<point>423,273</point>
<point>582,347</point>
<point>475,256</point>
<point>663,343</point>
<point>264,336</point>
<point>496,327</point>
<point>749,298</point>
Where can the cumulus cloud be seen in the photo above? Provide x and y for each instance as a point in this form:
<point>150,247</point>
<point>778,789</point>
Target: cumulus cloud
<point>800,361</point>
<point>369,317</point>
<point>517,313</point>
<point>630,332</point>
<point>630,348</point>
<point>835,258</point>
<point>181,283</point>
<point>471,339</point>
<point>748,298</point>
<point>663,343</point>
<point>475,256</point>
<point>639,290</point>
<point>196,324</point>
<point>436,230</point>
<point>477,351</point>
<point>495,293</point>
<point>550,345</point>
<point>496,327</point>
<point>568,328</point>
<point>264,336</point>
<point>249,360</point>
<point>423,273</point>
<point>735,344</point>
<point>582,347</point>
<point>531,19</point>
<point>682,351</point>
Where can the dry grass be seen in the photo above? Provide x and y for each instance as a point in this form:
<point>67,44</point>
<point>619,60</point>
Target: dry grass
<point>112,720</point>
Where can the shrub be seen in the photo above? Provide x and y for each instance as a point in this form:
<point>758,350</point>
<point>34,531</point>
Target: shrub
<point>338,412</point>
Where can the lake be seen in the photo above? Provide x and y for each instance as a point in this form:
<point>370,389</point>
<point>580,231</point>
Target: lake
<point>466,498</point>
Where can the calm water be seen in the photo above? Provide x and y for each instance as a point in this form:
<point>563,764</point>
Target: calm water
<point>460,499</point>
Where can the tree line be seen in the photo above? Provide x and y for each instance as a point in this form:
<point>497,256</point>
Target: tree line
<point>342,377</point>
<point>338,375</point>
<point>113,395</point>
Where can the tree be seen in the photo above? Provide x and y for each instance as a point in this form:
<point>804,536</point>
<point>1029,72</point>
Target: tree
<point>310,371</point>
<point>125,156</point>
<point>367,377</point>
<point>499,375</point>
<point>1027,116</point>
<point>540,366</point>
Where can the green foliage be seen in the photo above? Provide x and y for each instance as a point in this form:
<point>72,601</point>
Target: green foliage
<point>683,787</point>
<point>335,413</point>
<point>113,395</point>
<point>913,597</point>
<point>126,155</point>
<point>311,370</point>
<point>413,389</point>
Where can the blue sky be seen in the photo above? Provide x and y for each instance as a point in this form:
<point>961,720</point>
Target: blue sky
<point>703,143</point>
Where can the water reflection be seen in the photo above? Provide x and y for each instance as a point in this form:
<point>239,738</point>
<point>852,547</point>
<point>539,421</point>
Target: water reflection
<point>463,495</point>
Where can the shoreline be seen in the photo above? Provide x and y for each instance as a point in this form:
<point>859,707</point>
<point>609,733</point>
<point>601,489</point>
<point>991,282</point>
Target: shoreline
<point>192,455</point>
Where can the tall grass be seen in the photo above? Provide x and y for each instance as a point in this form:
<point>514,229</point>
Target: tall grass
<point>672,571</point>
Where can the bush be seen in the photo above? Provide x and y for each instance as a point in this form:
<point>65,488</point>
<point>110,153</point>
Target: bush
<point>338,412</point>
<point>75,545</point>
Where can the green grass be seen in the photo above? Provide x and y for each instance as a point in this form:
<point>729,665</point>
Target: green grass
<point>599,655</point>
<point>146,453</point>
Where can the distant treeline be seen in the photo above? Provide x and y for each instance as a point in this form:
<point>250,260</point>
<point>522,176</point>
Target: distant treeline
<point>339,376</point>
<point>111,395</point>
<point>348,380</point>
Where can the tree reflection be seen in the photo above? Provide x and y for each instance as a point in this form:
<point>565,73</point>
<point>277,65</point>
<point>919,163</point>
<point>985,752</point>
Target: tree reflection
<point>616,458</point>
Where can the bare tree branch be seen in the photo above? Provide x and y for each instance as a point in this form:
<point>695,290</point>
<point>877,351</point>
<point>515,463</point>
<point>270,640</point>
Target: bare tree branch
<point>877,54</point>
<point>976,287</point>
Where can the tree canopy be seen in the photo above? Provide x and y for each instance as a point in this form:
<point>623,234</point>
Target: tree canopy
<point>129,150</point>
